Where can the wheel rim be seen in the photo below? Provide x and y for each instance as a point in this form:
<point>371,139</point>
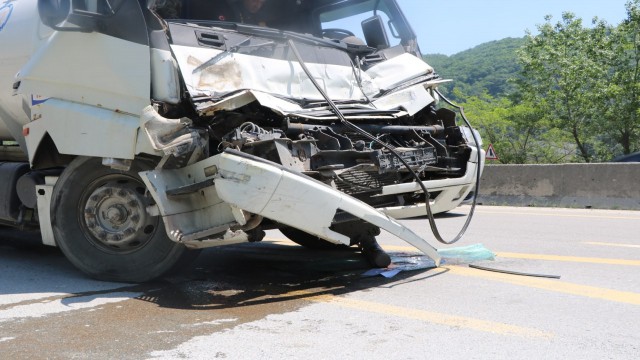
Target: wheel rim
<point>113,215</point>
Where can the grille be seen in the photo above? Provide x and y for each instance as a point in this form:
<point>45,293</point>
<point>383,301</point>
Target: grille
<point>354,182</point>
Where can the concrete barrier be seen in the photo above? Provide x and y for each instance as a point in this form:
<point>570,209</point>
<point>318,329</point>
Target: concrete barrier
<point>601,186</point>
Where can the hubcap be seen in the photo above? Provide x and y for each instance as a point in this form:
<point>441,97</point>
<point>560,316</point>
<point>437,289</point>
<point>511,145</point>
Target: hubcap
<point>115,216</point>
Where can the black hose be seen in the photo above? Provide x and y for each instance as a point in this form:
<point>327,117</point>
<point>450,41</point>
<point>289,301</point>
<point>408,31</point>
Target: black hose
<point>513,272</point>
<point>345,122</point>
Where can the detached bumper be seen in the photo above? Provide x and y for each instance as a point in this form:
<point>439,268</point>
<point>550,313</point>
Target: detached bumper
<point>253,185</point>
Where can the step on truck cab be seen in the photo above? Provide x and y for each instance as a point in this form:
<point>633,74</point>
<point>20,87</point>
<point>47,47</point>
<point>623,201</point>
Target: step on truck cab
<point>136,132</point>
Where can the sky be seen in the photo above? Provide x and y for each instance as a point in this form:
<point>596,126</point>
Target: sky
<point>450,26</point>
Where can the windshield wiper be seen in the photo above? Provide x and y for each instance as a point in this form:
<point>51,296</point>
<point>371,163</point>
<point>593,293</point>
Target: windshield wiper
<point>422,79</point>
<point>222,55</point>
<point>229,51</point>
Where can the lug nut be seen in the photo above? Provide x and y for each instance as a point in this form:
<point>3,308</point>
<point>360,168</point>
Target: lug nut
<point>116,237</point>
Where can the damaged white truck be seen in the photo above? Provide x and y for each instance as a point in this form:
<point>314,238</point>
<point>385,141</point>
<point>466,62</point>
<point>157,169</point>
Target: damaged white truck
<point>130,140</point>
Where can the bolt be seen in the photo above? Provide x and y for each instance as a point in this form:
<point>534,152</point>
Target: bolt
<point>116,237</point>
<point>133,204</point>
<point>130,231</point>
<point>135,218</point>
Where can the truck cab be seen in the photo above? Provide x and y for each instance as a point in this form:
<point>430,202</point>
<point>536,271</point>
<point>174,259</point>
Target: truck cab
<point>137,132</point>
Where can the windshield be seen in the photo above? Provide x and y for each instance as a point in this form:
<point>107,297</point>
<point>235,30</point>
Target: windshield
<point>378,23</point>
<point>340,21</point>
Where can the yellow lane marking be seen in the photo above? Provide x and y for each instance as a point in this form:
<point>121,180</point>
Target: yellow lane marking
<point>552,285</point>
<point>612,245</point>
<point>427,316</point>
<point>569,259</point>
<point>545,284</point>
<point>559,215</point>
<point>539,257</point>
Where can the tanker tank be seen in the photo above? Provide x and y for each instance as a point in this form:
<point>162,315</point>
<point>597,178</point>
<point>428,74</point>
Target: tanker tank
<point>20,34</point>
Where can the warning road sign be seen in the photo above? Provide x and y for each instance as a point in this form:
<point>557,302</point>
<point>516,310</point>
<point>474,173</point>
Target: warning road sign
<point>491,153</point>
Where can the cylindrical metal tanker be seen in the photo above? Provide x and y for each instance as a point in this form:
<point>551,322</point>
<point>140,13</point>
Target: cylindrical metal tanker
<point>21,32</point>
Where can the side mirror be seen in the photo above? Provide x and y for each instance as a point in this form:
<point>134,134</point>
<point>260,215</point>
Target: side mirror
<point>54,12</point>
<point>374,32</point>
<point>76,15</point>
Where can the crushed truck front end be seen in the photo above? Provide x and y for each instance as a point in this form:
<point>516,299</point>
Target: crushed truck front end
<point>175,134</point>
<point>281,156</point>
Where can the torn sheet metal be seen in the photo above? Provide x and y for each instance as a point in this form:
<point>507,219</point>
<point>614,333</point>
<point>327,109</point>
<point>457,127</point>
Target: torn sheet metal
<point>196,215</point>
<point>215,73</point>
<point>245,97</point>
<point>398,70</point>
<point>412,100</point>
<point>403,103</point>
<point>172,136</point>
<point>232,80</point>
<point>241,71</point>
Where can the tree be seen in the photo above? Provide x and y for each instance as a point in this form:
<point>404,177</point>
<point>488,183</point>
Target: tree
<point>562,72</point>
<point>622,125</point>
<point>518,132</point>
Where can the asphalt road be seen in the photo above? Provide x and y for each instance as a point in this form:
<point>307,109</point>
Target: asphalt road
<point>275,300</point>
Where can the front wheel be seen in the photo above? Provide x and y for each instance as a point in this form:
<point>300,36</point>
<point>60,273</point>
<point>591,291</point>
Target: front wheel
<point>100,223</point>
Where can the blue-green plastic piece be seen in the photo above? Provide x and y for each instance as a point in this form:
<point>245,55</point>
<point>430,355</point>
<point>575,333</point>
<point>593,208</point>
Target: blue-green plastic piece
<point>457,255</point>
<point>466,254</point>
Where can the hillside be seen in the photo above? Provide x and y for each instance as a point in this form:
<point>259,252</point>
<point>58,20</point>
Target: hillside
<point>486,67</point>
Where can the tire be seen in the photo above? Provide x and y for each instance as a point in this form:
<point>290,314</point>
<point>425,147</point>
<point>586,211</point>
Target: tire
<point>100,224</point>
<point>310,241</point>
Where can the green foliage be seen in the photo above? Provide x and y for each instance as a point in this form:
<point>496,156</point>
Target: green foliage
<point>569,93</point>
<point>621,128</point>
<point>485,68</point>
<point>562,68</point>
<point>588,81</point>
<point>518,132</point>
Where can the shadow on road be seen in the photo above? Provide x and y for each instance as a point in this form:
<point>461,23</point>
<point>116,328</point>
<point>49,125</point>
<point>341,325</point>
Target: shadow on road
<point>228,277</point>
<point>262,274</point>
